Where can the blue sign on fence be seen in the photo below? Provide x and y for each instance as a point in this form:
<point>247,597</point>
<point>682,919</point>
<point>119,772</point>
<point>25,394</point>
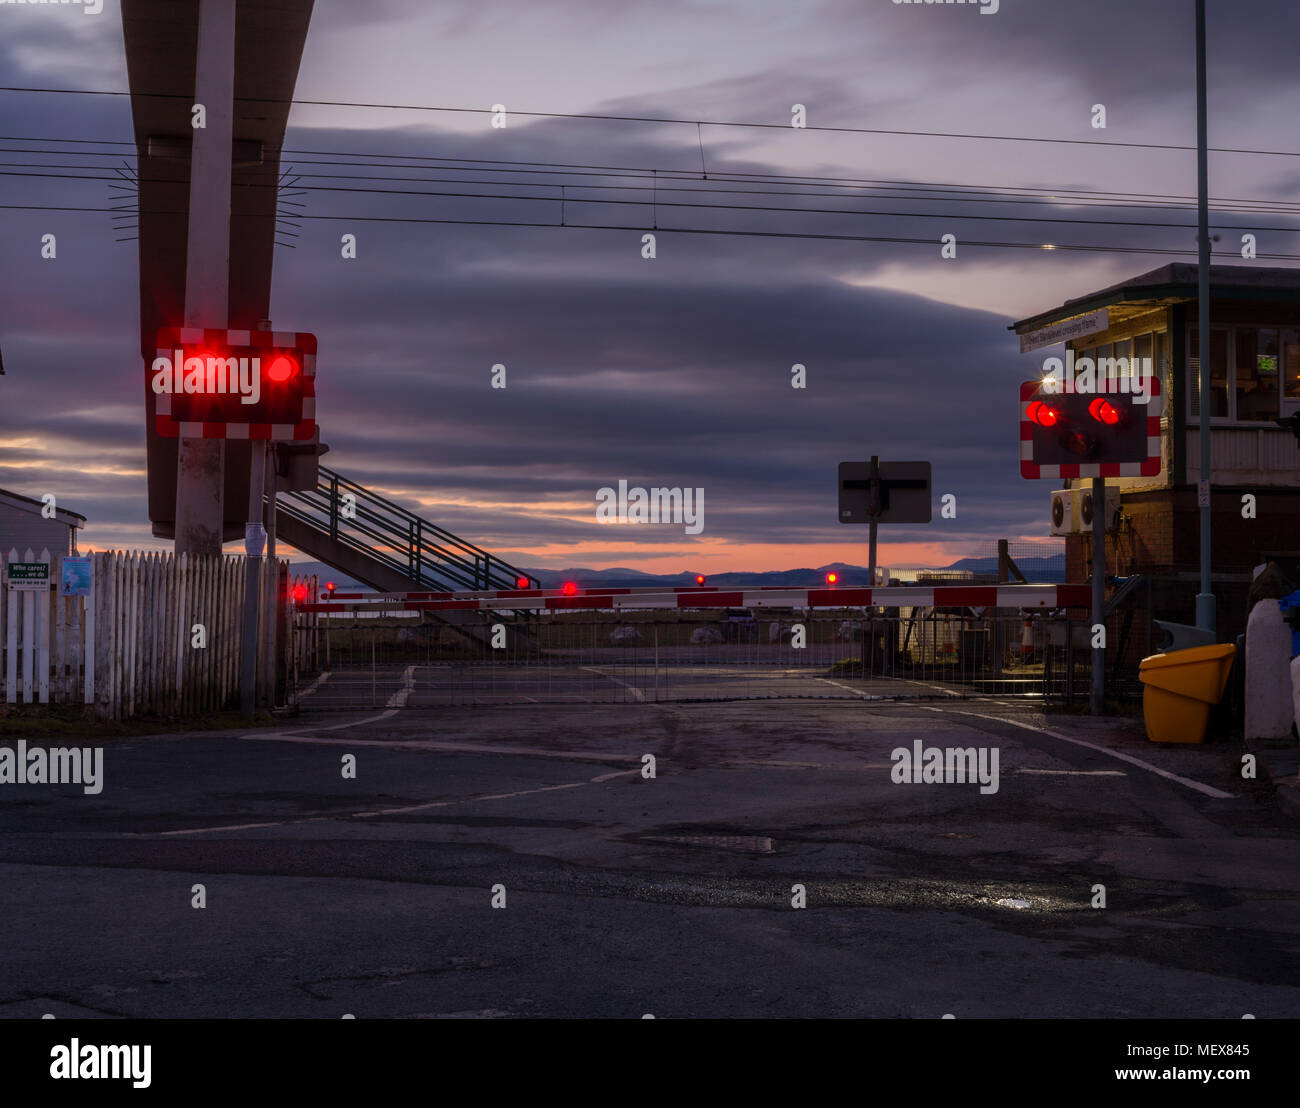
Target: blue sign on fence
<point>76,576</point>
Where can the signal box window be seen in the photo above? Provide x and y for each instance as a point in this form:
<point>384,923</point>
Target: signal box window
<point>1218,372</point>
<point>1257,369</point>
<point>1289,363</point>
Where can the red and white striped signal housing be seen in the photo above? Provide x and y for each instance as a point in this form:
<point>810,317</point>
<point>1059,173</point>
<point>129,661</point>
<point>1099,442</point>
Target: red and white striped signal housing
<point>231,384</point>
<point>1064,433</point>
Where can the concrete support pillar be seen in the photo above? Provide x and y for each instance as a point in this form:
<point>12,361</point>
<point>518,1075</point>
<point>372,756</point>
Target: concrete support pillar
<point>200,465</point>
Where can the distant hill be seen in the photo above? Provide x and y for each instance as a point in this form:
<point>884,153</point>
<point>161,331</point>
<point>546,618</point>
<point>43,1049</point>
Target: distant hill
<point>1043,570</point>
<point>342,580</point>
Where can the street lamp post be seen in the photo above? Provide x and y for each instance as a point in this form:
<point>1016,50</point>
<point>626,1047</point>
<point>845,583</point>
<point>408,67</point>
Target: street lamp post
<point>1205,602</point>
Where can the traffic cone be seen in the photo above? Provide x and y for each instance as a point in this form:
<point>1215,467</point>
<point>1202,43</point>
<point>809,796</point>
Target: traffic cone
<point>1027,640</point>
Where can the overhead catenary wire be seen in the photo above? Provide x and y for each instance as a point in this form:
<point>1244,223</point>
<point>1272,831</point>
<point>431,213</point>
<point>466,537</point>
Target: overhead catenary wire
<point>639,228</point>
<point>1053,194</point>
<point>728,207</point>
<point>1277,207</point>
<point>697,123</point>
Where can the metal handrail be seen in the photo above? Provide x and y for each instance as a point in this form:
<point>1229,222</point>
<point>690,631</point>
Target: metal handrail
<point>377,520</point>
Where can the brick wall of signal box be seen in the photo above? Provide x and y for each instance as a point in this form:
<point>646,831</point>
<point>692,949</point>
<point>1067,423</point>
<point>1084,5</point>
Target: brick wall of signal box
<point>1159,533</point>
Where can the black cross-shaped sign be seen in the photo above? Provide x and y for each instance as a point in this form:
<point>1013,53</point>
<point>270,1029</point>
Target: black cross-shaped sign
<point>878,488</point>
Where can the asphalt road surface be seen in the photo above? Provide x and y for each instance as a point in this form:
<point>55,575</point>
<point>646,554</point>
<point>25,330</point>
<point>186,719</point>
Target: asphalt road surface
<point>591,681</point>
<point>674,895</point>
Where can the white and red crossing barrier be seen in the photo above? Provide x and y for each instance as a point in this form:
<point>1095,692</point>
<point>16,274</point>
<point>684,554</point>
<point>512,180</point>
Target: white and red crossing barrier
<point>763,596</point>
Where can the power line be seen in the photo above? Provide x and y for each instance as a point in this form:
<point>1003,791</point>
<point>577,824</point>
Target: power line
<point>1055,195</point>
<point>944,190</point>
<point>729,207</point>
<point>697,123</point>
<point>1100,202</point>
<point>640,229</point>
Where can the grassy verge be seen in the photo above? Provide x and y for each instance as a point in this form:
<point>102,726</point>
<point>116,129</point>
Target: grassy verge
<point>32,721</point>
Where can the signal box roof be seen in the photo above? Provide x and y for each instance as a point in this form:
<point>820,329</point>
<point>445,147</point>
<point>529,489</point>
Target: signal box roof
<point>1173,284</point>
<point>22,503</point>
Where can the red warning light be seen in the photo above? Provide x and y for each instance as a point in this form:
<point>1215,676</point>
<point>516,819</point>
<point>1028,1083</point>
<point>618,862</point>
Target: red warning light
<point>329,587</point>
<point>1103,411</point>
<point>235,383</point>
<point>521,582</point>
<point>281,368</point>
<point>299,593</point>
<point>831,578</point>
<point>1043,414</point>
<point>699,578</point>
<point>570,589</point>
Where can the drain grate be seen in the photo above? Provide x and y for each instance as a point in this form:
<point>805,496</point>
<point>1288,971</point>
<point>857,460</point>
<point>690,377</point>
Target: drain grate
<point>745,844</point>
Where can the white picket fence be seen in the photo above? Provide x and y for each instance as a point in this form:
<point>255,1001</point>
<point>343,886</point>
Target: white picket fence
<point>303,652</point>
<point>160,634</point>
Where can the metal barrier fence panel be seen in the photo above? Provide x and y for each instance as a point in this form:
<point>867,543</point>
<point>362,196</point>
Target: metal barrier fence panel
<point>405,661</point>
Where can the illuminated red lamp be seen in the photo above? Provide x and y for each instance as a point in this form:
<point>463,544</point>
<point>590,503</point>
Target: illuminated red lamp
<point>831,578</point>
<point>521,582</point>
<point>281,368</point>
<point>299,593</point>
<point>699,578</point>
<point>569,589</point>
<point>1103,411</point>
<point>329,588</point>
<point>1043,414</point>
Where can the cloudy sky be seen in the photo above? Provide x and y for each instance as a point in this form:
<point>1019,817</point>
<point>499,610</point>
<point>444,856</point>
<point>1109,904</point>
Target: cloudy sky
<point>674,371</point>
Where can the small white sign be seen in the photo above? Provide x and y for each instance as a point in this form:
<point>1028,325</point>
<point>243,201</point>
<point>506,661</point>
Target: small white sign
<point>1075,328</point>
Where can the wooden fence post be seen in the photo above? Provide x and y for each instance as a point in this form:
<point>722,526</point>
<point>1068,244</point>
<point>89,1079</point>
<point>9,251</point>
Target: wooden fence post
<point>88,633</point>
<point>11,635</point>
<point>41,602</point>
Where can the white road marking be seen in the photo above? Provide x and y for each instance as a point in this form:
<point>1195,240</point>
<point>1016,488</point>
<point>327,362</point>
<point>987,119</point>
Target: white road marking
<point>1077,772</point>
<point>850,688</point>
<point>1207,790</point>
<point>600,779</point>
<point>755,763</point>
<point>455,748</point>
<point>637,694</point>
<point>927,685</point>
<point>314,685</point>
<point>287,735</point>
<point>398,699</point>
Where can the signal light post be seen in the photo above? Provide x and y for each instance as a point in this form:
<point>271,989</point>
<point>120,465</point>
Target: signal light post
<point>1071,434</point>
<point>1097,696</point>
<point>214,383</point>
<point>890,492</point>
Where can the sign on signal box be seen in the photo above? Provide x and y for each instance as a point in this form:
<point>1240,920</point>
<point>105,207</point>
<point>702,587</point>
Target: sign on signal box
<point>233,384</point>
<point>1064,433</point>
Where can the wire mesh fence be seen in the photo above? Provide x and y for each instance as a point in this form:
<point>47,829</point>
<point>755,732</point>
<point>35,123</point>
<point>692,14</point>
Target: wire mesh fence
<point>685,655</point>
